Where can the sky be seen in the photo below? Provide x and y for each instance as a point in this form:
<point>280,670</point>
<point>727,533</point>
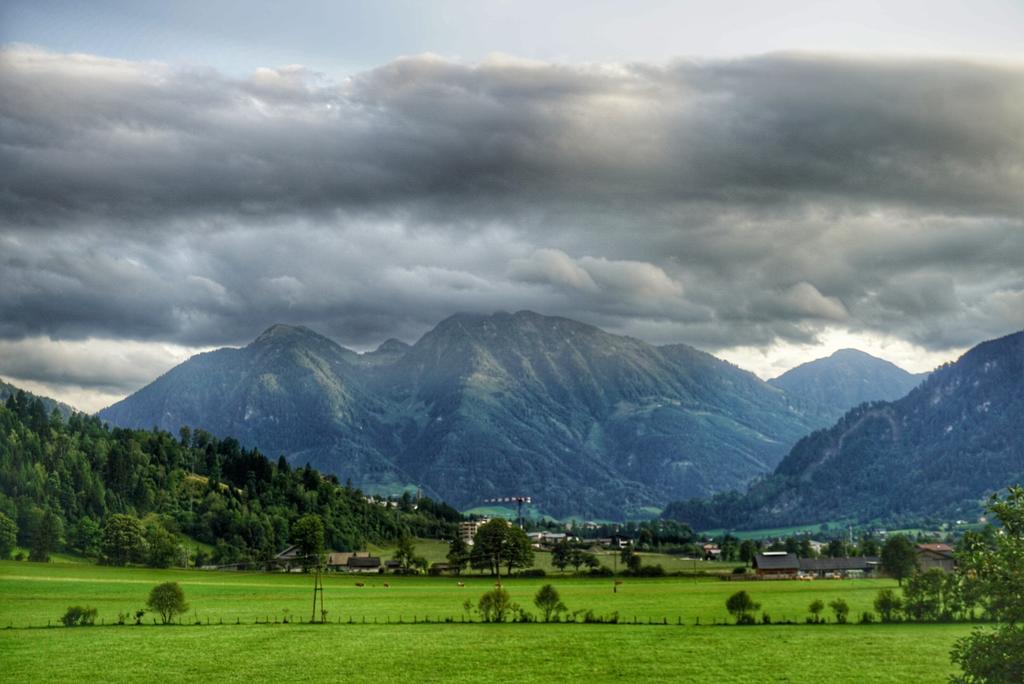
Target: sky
<point>768,182</point>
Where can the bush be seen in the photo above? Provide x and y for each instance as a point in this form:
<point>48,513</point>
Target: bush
<point>867,617</point>
<point>841,609</point>
<point>650,571</point>
<point>495,605</point>
<point>741,605</point>
<point>532,572</point>
<point>741,570</point>
<point>79,616</point>
<point>602,571</point>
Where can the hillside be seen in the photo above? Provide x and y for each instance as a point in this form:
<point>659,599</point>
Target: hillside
<point>586,422</point>
<point>8,390</point>
<point>63,480</point>
<point>938,451</point>
<point>825,389</point>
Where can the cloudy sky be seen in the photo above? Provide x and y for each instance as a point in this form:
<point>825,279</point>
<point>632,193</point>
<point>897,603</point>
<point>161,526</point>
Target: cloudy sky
<point>766,185</point>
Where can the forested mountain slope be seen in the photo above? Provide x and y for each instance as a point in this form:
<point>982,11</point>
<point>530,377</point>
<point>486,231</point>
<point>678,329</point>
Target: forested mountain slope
<point>938,451</point>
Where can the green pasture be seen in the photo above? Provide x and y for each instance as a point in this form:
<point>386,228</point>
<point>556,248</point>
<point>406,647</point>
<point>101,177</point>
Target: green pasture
<point>33,595</point>
<point>436,551</point>
<point>481,653</point>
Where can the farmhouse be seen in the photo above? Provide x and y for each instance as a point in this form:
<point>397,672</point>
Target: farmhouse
<point>364,564</point>
<point>340,560</point>
<point>935,556</point>
<point>860,566</point>
<point>776,565</point>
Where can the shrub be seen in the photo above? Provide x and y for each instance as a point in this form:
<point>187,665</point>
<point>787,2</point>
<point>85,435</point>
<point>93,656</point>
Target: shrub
<point>602,571</point>
<point>532,572</point>
<point>77,615</point>
<point>888,605</point>
<point>495,605</point>
<point>841,609</point>
<point>867,617</point>
<point>817,605</point>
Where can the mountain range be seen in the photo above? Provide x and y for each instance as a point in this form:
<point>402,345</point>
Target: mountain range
<point>585,422</point>
<point>938,451</point>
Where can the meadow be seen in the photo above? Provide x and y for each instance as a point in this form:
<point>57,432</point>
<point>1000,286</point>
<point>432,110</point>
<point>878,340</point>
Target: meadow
<point>37,594</point>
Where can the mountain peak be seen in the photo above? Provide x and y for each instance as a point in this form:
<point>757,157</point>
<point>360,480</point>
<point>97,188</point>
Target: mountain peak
<point>391,346</point>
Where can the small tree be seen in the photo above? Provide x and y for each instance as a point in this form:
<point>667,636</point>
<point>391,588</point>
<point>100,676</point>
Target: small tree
<point>549,602</point>
<point>561,555</point>
<point>495,605</point>
<point>168,600</point>
<point>888,605</point>
<point>740,605</point>
<point>840,608</point>
<point>817,605</point>
<point>458,554</point>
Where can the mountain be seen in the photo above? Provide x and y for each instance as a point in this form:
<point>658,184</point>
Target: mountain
<point>9,390</point>
<point>825,389</point>
<point>586,422</point>
<point>937,451</point>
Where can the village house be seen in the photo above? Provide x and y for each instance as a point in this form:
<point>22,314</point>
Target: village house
<point>711,552</point>
<point>935,556</point>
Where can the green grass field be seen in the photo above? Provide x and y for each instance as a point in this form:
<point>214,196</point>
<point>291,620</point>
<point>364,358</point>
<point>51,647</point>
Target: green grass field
<point>34,594</point>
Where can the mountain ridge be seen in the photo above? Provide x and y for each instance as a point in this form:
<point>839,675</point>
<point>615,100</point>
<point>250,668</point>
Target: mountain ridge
<point>941,450</point>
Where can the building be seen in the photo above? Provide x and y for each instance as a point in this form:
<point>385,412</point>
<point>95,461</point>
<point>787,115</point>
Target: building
<point>364,564</point>
<point>776,565</point>
<point>711,552</point>
<point>468,528</point>
<point>935,556</point>
<point>847,568</point>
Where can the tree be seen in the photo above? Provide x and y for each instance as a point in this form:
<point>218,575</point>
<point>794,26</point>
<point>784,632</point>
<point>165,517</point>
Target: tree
<point>888,605</point>
<point>923,595</point>
<point>748,549</point>
<point>997,655</point>
<point>840,608</point>
<point>549,602</point>
<point>497,543</point>
<point>817,605</point>
<point>520,553</point>
<point>168,600</point>
<point>406,556</point>
<point>8,536</point>
<point>86,536</point>
<point>162,548</point>
<point>458,554</point>
<point>740,605</point>
<point>45,536</point>
<point>560,555</point>
<point>122,539</point>
<point>308,536</point>
<point>899,557</point>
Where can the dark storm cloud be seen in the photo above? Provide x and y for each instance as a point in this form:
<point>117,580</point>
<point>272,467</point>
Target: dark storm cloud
<point>720,203</point>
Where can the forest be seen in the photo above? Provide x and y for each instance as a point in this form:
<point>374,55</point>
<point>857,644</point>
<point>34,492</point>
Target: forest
<point>75,484</point>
